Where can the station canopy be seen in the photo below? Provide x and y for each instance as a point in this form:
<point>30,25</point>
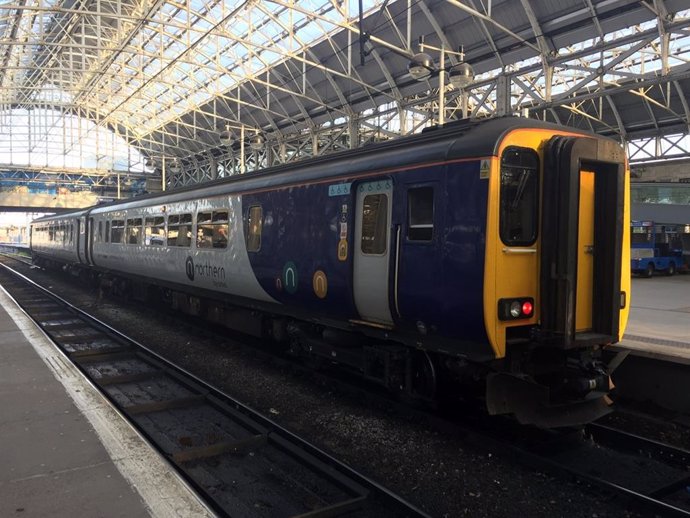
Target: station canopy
<point>191,82</point>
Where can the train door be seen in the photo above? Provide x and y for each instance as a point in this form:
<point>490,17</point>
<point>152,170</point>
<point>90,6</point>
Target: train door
<point>585,254</point>
<point>90,238</point>
<point>583,197</point>
<point>81,249</point>
<point>371,254</point>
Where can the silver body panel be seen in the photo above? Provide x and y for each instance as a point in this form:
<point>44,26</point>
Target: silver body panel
<point>225,270</point>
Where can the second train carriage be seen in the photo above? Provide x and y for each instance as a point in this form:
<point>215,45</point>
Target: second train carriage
<point>494,249</point>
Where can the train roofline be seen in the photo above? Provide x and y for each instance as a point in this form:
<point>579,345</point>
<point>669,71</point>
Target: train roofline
<point>479,138</point>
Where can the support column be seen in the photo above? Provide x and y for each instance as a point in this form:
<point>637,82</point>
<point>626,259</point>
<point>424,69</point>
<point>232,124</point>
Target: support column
<point>502,95</point>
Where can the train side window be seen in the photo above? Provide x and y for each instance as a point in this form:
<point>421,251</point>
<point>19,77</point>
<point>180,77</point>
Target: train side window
<point>154,231</point>
<point>254,228</point>
<point>107,231</point>
<point>420,214</point>
<point>374,224</point>
<point>117,231</point>
<point>134,231</point>
<point>204,230</point>
<point>519,201</point>
<point>212,229</point>
<point>99,237</point>
<point>180,230</point>
<point>173,229</point>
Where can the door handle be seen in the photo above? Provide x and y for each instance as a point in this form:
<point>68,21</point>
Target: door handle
<point>509,250</point>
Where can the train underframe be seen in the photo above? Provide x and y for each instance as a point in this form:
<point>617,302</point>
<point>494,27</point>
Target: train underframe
<point>538,384</point>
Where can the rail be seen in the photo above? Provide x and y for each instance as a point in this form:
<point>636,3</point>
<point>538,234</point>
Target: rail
<point>242,463</point>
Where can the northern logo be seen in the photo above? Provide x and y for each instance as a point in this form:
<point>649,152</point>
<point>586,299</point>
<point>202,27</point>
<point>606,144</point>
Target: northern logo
<point>189,267</point>
<point>215,273</point>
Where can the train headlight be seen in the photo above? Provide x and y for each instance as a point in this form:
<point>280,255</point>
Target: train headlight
<point>515,309</point>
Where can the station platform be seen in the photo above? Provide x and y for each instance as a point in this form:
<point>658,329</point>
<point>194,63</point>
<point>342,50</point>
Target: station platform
<point>65,451</point>
<point>659,320</point>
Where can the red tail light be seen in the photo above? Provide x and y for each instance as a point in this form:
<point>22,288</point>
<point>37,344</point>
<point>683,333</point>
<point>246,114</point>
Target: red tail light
<point>527,308</point>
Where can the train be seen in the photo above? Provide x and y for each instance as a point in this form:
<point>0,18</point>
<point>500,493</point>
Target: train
<point>479,257</point>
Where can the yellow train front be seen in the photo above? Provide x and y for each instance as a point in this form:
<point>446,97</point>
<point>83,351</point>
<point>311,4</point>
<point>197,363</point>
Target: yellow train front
<point>557,283</point>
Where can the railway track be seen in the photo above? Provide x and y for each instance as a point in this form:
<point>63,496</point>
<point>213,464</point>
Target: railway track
<point>650,475</point>
<point>646,474</point>
<point>242,463</point>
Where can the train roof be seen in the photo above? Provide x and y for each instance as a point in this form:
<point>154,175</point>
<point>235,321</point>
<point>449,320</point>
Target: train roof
<point>456,140</point>
<point>62,216</point>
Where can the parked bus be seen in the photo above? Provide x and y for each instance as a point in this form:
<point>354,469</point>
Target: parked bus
<point>658,248</point>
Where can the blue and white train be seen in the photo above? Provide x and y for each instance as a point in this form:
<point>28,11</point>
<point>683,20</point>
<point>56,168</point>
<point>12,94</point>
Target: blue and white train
<point>492,251</point>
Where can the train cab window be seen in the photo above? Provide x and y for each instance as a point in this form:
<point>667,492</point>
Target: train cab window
<point>134,231</point>
<point>107,231</point>
<point>212,229</point>
<point>254,228</point>
<point>154,231</point>
<point>180,230</point>
<point>117,231</point>
<point>519,201</point>
<point>420,210</point>
<point>374,224</point>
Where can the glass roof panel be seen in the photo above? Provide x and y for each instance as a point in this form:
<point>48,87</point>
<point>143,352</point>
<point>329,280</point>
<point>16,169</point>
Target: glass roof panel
<point>215,45</point>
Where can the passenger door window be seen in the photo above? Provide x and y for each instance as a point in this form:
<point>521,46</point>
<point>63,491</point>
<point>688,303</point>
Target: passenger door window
<point>374,224</point>
<point>420,210</point>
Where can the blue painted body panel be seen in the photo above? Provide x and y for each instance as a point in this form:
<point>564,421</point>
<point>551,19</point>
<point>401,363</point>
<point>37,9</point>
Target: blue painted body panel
<point>301,226</point>
<point>440,282</point>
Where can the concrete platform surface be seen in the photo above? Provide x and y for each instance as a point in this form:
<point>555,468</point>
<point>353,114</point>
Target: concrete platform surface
<point>660,315</point>
<point>64,451</point>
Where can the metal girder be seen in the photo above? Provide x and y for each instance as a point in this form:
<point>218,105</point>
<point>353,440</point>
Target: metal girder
<point>166,76</point>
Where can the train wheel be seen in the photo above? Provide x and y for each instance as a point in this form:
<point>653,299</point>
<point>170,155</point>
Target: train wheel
<point>671,269</point>
<point>649,271</point>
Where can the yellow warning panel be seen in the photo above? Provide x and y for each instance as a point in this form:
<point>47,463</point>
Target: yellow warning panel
<point>585,254</point>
